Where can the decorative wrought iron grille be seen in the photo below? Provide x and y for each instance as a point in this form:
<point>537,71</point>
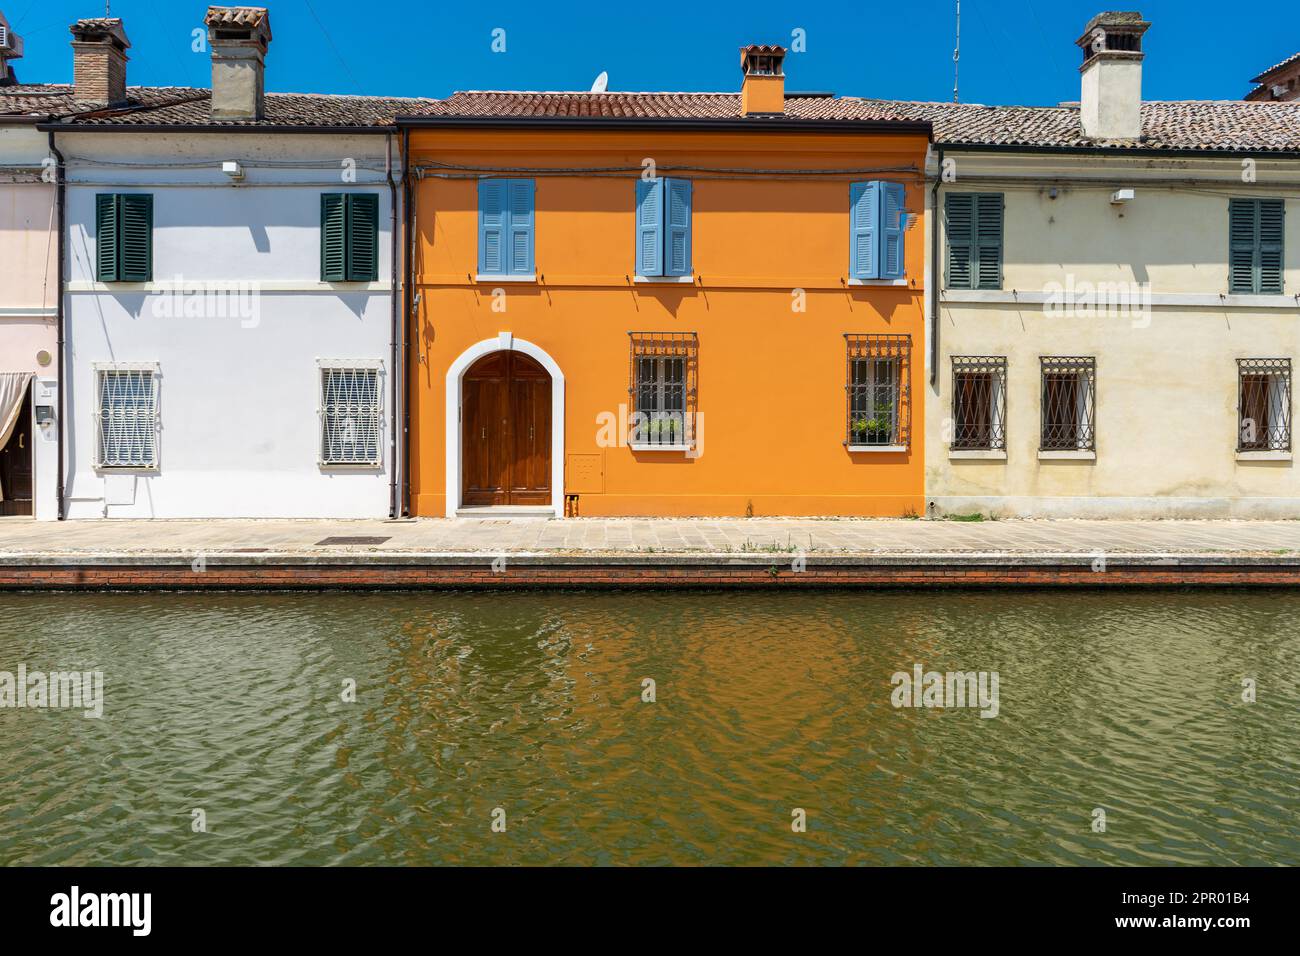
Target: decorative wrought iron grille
<point>979,402</point>
<point>1263,404</point>
<point>126,416</point>
<point>876,384</point>
<point>663,389</point>
<point>1069,403</point>
<point>351,415</point>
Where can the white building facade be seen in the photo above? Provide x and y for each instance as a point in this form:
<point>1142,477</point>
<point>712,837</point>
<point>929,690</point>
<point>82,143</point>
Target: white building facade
<point>229,297</point>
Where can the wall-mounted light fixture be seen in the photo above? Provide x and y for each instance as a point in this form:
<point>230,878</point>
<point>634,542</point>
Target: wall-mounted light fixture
<point>1120,196</point>
<point>233,170</point>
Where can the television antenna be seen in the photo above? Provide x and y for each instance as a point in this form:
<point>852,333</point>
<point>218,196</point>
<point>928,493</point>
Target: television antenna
<point>956,54</point>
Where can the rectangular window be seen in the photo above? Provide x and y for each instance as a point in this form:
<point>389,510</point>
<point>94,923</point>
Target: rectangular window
<point>1069,402</point>
<point>979,402</point>
<point>877,388</point>
<point>662,390</point>
<point>1264,404</point>
<point>124,237</point>
<point>126,417</point>
<point>877,221</point>
<point>351,414</point>
<point>1255,246</point>
<point>349,237</point>
<point>663,227</point>
<point>973,225</point>
<point>506,214</point>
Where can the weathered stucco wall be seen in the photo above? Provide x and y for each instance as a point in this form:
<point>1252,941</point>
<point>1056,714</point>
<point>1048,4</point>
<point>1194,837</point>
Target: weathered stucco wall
<point>1166,392</point>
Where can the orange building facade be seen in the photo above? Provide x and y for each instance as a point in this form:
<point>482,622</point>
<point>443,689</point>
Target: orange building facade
<point>663,317</point>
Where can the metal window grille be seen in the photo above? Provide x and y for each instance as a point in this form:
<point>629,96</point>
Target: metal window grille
<point>876,384</point>
<point>351,415</point>
<point>126,417</point>
<point>979,402</point>
<point>664,373</point>
<point>1263,404</point>
<point>1069,400</point>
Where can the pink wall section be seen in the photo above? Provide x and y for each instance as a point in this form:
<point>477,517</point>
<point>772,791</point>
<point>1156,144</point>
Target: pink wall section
<point>28,247</point>
<point>28,276</point>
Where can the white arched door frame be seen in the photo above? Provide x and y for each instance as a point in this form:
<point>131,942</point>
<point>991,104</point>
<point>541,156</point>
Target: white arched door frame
<point>504,342</point>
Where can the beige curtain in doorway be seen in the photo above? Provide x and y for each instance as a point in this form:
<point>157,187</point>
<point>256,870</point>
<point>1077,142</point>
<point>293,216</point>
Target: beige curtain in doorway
<point>13,388</point>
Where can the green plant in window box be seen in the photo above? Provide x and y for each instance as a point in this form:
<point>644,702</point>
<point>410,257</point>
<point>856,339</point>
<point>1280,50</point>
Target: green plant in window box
<point>876,430</point>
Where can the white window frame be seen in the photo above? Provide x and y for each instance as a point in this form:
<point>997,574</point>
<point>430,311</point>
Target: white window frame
<point>152,370</point>
<point>324,366</point>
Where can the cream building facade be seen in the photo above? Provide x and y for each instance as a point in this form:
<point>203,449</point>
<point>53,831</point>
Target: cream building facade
<point>1115,319</point>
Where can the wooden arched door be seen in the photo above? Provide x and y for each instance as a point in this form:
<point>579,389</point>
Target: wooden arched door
<point>506,431</point>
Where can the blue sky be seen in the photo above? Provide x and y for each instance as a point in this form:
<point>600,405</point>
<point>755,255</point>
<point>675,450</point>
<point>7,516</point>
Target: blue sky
<point>1013,51</point>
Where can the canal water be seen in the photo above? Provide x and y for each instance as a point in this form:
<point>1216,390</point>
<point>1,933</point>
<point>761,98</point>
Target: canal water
<point>526,710</point>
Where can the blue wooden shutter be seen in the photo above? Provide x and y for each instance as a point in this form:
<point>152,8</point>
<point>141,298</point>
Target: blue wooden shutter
<point>363,237</point>
<point>333,237</point>
<point>891,231</point>
<point>677,227</point>
<point>521,226</point>
<point>649,227</point>
<point>492,222</point>
<point>864,226</point>
<point>135,237</point>
<point>106,237</point>
<point>988,240</point>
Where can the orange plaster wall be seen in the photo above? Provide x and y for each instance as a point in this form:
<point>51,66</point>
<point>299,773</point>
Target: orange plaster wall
<point>771,379</point>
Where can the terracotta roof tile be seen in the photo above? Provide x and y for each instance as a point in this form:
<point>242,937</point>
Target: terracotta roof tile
<point>185,106</point>
<point>1181,124</point>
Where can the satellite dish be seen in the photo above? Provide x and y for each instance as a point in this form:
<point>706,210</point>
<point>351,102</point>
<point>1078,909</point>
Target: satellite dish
<point>601,84</point>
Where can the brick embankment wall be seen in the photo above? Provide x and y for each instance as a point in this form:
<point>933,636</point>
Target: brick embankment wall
<point>594,571</point>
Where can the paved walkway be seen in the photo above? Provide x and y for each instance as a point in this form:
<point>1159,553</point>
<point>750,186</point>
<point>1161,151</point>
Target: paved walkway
<point>21,538</point>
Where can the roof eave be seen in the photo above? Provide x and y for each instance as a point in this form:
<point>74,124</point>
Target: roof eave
<point>1227,152</point>
<point>741,123</point>
<point>207,128</point>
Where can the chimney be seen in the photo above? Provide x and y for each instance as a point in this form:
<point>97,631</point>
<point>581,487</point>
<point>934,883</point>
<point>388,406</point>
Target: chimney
<point>1111,101</point>
<point>99,60</point>
<point>763,88</point>
<point>11,48</point>
<point>239,37</point>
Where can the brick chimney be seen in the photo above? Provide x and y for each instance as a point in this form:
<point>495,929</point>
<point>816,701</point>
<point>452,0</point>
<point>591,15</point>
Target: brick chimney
<point>763,88</point>
<point>239,37</point>
<point>1110,106</point>
<point>11,48</point>
<point>99,60</point>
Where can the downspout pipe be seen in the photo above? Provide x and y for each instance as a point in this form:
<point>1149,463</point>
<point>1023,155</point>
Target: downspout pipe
<point>408,217</point>
<point>394,507</point>
<point>60,191</point>
<point>936,271</point>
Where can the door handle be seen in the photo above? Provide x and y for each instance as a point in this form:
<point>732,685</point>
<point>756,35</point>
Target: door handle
<point>21,437</point>
<point>485,434</point>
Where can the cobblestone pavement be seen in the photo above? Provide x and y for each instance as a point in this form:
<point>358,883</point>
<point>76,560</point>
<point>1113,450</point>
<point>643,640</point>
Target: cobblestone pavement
<point>655,535</point>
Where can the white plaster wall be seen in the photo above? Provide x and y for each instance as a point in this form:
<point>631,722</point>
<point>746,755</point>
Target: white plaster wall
<point>1166,411</point>
<point>238,393</point>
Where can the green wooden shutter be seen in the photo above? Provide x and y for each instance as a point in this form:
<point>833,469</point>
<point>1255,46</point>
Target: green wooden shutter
<point>1255,229</point>
<point>135,237</point>
<point>333,237</point>
<point>106,237</point>
<point>1271,215</point>
<point>959,216</point>
<point>988,241</point>
<point>363,237</point>
<point>1242,245</point>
